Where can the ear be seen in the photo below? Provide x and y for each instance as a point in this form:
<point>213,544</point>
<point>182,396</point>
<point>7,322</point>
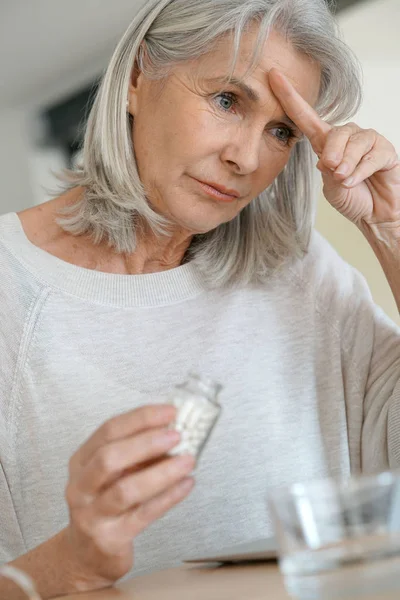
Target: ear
<point>135,86</point>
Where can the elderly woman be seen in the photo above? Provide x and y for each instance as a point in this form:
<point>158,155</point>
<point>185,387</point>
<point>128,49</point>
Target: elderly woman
<point>183,242</point>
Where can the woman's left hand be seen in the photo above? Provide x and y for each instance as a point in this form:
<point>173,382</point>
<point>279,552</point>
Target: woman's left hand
<point>360,168</point>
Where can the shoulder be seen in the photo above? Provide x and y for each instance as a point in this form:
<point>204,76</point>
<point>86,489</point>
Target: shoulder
<point>323,268</point>
<point>19,287</point>
<point>339,291</point>
<point>19,292</point>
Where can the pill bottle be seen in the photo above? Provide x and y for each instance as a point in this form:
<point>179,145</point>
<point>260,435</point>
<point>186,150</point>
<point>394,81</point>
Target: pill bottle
<point>198,411</point>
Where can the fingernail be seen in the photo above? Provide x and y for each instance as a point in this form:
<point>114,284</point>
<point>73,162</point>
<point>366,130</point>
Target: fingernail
<point>343,169</point>
<point>168,411</point>
<point>348,181</point>
<point>170,436</point>
<point>185,463</point>
<point>186,485</point>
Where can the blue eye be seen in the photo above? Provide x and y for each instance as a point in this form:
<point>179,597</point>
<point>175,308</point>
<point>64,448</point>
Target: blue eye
<point>289,135</point>
<point>229,100</point>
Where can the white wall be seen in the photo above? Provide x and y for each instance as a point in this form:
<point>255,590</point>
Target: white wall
<point>372,31</point>
<point>48,49</point>
<point>15,144</point>
<point>44,162</point>
<point>25,164</point>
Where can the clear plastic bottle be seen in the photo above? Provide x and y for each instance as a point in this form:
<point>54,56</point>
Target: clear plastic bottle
<point>198,412</point>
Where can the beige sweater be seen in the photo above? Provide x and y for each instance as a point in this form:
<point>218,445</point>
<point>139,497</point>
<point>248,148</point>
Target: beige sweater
<point>310,369</point>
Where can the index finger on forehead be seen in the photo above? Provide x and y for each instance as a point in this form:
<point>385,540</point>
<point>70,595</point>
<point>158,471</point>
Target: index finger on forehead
<point>298,109</point>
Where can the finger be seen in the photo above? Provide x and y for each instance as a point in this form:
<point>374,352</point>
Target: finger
<point>371,163</point>
<point>110,461</point>
<point>359,145</point>
<point>138,520</point>
<point>142,486</point>
<point>298,109</point>
<point>123,426</point>
<point>336,143</point>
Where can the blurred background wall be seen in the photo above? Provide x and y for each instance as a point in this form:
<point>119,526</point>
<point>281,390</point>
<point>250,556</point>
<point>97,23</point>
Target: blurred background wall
<point>52,54</point>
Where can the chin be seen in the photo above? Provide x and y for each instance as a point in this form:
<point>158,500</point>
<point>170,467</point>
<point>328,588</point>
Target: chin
<point>203,222</point>
<point>201,227</point>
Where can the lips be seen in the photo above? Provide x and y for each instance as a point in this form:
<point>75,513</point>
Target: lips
<point>222,189</point>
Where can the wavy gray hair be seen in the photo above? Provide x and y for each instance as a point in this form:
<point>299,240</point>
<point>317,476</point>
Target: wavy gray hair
<point>276,226</point>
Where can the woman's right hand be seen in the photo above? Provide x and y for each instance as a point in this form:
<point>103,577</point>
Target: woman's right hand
<point>120,481</point>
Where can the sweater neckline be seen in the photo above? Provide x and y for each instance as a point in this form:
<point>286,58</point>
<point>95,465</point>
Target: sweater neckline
<point>152,289</point>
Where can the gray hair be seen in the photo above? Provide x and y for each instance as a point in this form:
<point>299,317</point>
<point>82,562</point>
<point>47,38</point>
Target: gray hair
<point>276,226</point>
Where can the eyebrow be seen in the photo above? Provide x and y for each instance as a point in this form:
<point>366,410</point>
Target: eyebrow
<point>254,97</point>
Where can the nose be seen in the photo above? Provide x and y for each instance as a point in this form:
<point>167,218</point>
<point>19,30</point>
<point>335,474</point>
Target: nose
<point>242,151</point>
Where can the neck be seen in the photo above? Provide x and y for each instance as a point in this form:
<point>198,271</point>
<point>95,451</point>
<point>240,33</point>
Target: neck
<point>152,254</point>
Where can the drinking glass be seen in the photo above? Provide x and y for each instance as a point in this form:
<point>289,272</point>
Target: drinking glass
<point>340,539</point>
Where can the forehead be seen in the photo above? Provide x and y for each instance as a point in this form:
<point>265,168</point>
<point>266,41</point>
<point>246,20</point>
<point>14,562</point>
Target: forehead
<point>277,52</point>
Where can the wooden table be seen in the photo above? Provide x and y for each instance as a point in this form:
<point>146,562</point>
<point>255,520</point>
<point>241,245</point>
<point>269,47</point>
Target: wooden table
<point>261,581</point>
